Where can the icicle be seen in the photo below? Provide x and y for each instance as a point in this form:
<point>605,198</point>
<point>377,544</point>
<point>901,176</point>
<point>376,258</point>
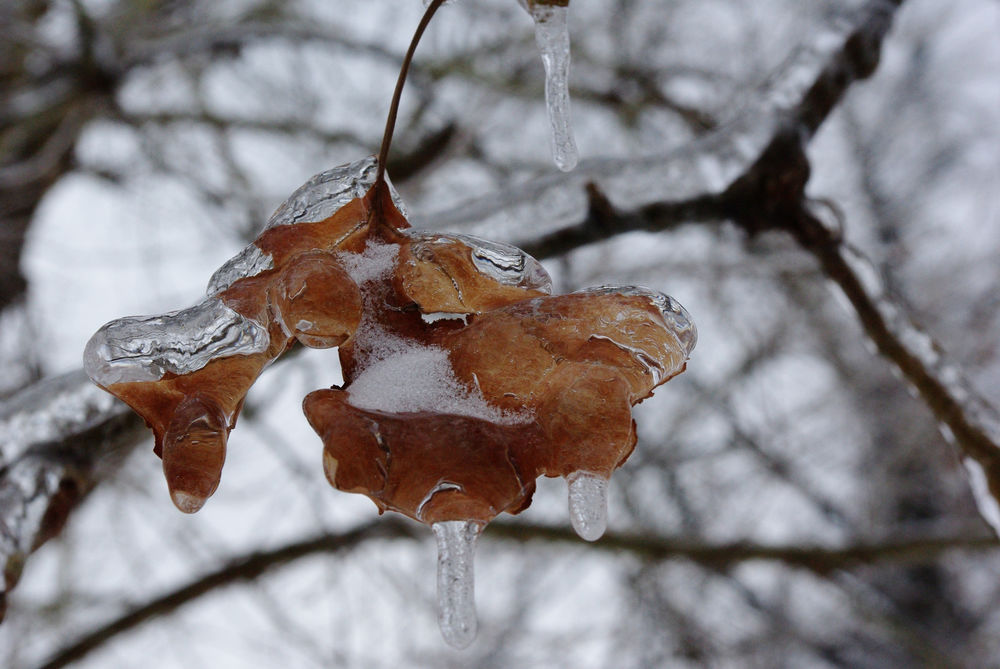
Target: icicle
<point>552,37</point>
<point>456,543</point>
<point>588,504</point>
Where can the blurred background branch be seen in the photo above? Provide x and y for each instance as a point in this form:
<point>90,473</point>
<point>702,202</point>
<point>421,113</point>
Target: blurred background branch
<point>787,481</point>
<point>250,567</point>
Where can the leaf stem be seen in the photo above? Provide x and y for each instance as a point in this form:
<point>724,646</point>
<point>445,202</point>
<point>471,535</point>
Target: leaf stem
<point>390,122</point>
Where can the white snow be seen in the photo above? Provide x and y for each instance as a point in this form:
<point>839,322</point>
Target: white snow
<point>372,264</point>
<point>444,316</point>
<point>405,377</point>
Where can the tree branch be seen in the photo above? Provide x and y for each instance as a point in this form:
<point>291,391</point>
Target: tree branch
<point>216,38</point>
<point>967,419</point>
<point>246,568</point>
<point>58,439</point>
<point>281,126</point>
<point>658,191</point>
<point>769,195</point>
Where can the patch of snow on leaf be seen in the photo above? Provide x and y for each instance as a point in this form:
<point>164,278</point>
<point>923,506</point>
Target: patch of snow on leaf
<point>373,264</point>
<point>444,316</point>
<point>419,378</point>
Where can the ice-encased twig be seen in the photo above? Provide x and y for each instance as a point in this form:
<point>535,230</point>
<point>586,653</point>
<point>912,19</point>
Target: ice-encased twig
<point>966,419</point>
<point>703,167</point>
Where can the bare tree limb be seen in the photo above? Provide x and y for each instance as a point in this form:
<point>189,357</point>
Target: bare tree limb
<point>796,100</point>
<point>218,38</point>
<point>241,569</point>
<point>282,126</point>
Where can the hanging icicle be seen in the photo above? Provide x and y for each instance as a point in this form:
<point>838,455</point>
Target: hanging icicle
<point>551,19</point>
<point>588,504</point>
<point>456,544</point>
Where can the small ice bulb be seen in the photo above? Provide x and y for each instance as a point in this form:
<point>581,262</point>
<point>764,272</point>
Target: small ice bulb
<point>588,504</point>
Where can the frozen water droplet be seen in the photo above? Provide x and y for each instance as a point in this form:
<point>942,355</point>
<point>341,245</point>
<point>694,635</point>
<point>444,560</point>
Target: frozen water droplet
<point>588,504</point>
<point>456,544</point>
<point>552,37</point>
<point>674,315</point>
<point>187,503</point>
<point>143,348</point>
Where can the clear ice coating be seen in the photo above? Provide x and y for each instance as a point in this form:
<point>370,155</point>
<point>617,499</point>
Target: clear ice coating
<point>443,486</point>
<point>985,501</point>
<point>456,544</point>
<point>674,315</point>
<point>503,263</point>
<point>507,264</point>
<point>143,348</point>
<point>324,194</point>
<point>552,37</point>
<point>251,261</point>
<point>588,504</point>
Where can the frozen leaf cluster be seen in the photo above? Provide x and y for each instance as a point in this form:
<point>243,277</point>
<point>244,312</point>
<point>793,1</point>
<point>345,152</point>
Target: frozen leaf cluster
<point>465,379</point>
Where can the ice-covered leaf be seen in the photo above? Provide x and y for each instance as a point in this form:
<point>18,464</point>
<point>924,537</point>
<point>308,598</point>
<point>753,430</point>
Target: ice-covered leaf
<point>187,372</point>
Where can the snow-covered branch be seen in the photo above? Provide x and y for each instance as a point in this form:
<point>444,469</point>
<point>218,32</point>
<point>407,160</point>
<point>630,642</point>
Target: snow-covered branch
<point>967,420</point>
